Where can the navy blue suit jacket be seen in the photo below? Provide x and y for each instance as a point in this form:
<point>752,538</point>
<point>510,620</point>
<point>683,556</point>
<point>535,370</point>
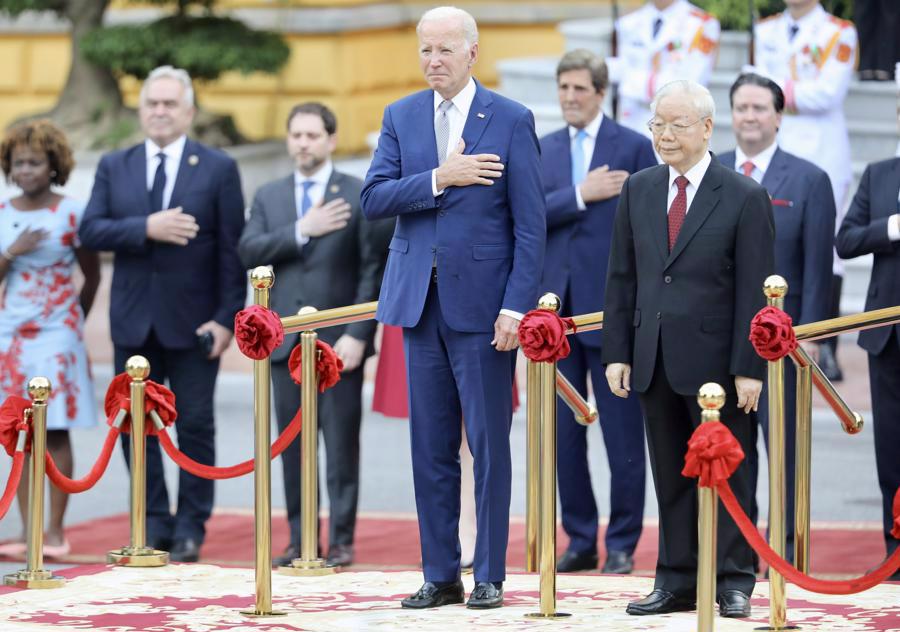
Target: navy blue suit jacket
<point>171,288</point>
<point>487,241</point>
<point>578,241</point>
<point>864,231</point>
<point>803,206</point>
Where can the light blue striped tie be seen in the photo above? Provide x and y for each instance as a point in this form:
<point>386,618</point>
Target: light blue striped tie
<point>578,166</point>
<point>305,200</point>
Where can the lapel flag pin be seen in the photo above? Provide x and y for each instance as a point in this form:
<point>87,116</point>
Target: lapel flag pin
<point>334,188</point>
<point>480,115</point>
<point>193,160</point>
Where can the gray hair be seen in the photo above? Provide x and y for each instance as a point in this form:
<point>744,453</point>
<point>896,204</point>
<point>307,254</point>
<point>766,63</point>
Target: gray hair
<point>467,22</point>
<point>700,97</point>
<point>170,72</point>
<point>583,59</point>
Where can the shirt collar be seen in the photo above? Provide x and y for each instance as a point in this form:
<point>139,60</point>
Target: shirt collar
<point>695,174</point>
<point>809,18</point>
<point>592,128</point>
<point>761,160</point>
<point>668,11</point>
<point>172,151</point>
<point>322,176</point>
<point>462,101</point>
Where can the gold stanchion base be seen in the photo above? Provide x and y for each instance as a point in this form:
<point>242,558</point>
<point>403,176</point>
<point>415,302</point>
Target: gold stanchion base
<point>307,568</point>
<point>552,615</point>
<point>34,579</point>
<point>137,557</point>
<point>256,614</point>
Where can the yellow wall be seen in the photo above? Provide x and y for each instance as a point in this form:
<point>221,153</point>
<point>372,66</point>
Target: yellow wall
<point>355,72</point>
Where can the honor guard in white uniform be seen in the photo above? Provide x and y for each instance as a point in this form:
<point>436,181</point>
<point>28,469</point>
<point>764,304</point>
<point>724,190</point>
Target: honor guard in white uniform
<point>662,41</point>
<point>812,58</point>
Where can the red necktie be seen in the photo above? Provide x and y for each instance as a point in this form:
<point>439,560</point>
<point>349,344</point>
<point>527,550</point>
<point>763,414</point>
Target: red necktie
<point>748,168</point>
<point>677,211</point>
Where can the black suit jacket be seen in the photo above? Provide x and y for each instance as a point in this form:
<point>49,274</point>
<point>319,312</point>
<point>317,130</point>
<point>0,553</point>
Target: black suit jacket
<point>697,301</point>
<point>864,231</point>
<point>341,268</point>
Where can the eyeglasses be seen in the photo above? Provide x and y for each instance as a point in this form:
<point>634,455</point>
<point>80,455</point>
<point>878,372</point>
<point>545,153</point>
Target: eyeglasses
<point>658,128</point>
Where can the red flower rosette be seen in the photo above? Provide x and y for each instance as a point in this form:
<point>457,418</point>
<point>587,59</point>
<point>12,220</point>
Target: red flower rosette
<point>258,331</point>
<point>328,365</point>
<point>12,416</point>
<point>542,335</point>
<point>156,397</point>
<point>713,454</point>
<point>772,333</point>
<point>896,530</point>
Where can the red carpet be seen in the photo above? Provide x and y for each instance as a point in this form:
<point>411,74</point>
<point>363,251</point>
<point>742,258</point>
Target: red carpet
<point>392,542</point>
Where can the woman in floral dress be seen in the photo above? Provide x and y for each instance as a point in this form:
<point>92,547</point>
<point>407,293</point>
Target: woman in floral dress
<point>41,312</point>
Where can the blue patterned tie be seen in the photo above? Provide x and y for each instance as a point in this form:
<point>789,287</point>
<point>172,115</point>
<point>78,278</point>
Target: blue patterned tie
<point>578,167</point>
<point>305,200</point>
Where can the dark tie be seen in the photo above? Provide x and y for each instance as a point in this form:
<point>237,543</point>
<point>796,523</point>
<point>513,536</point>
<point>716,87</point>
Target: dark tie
<point>305,200</point>
<point>657,24</point>
<point>677,211</point>
<point>792,32</point>
<point>747,168</point>
<point>159,184</point>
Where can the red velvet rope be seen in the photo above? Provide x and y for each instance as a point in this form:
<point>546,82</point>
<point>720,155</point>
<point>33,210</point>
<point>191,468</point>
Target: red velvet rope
<point>12,483</point>
<point>328,366</point>
<point>244,467</point>
<point>258,331</point>
<point>542,335</point>
<point>772,333</point>
<point>76,486</point>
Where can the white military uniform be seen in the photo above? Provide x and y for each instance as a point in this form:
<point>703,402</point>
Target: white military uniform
<point>814,69</point>
<point>684,47</point>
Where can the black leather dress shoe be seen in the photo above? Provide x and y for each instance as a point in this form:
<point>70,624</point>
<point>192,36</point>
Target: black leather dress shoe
<point>572,562</point>
<point>618,563</point>
<point>159,543</point>
<point>290,554</point>
<point>734,604</point>
<point>432,595</point>
<point>661,602</point>
<point>486,595</point>
<point>340,555</point>
<point>185,550</point>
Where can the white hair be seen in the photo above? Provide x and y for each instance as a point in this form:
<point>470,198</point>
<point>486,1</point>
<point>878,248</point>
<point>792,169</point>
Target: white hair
<point>700,97</point>
<point>170,72</point>
<point>467,22</point>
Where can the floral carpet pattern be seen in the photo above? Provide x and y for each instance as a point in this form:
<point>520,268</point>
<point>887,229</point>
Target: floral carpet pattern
<point>205,598</point>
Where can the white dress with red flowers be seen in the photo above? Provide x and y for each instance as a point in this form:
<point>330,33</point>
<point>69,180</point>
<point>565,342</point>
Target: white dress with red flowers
<point>41,322</point>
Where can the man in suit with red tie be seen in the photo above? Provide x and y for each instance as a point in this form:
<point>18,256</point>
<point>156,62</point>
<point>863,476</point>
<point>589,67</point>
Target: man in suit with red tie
<point>803,205</point>
<point>459,166</point>
<point>584,166</point>
<point>693,242</point>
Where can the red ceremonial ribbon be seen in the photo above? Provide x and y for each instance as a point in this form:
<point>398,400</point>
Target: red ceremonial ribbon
<point>542,335</point>
<point>12,420</point>
<point>772,333</point>
<point>156,397</point>
<point>258,331</point>
<point>328,365</point>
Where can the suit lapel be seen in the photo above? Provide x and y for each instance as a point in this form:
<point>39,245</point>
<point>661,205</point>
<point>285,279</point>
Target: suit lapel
<point>889,201</point>
<point>659,218</point>
<point>332,190</point>
<point>424,114</point>
<point>137,168</point>
<point>286,207</point>
<point>189,161</point>
<point>728,159</point>
<point>479,116</point>
<point>776,173</point>
<point>605,145</point>
<point>705,200</point>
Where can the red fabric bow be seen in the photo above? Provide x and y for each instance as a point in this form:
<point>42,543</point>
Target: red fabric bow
<point>896,530</point>
<point>156,397</point>
<point>12,419</point>
<point>258,331</point>
<point>772,333</point>
<point>713,454</point>
<point>328,365</point>
<point>542,335</point>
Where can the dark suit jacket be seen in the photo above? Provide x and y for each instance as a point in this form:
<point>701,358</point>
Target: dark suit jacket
<point>341,268</point>
<point>172,288</point>
<point>864,231</point>
<point>578,241</point>
<point>697,301</point>
<point>488,241</point>
<point>803,205</point>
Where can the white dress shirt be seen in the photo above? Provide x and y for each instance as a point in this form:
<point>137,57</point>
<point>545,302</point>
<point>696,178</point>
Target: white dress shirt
<point>694,175</point>
<point>894,223</point>
<point>588,144</point>
<point>456,118</point>
<point>760,161</point>
<point>316,194</point>
<point>173,152</point>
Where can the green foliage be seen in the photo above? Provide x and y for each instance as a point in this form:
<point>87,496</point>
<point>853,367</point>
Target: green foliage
<point>735,14</point>
<point>16,7</point>
<point>204,46</point>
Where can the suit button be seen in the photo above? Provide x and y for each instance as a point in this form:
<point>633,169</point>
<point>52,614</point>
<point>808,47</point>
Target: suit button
<point>441,213</point>
<point>433,249</point>
<point>658,315</point>
<point>667,279</point>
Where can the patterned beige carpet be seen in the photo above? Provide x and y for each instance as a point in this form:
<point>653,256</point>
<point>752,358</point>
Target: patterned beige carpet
<point>205,598</point>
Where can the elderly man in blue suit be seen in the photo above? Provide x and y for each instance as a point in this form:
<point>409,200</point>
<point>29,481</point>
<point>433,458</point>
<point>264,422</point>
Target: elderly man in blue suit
<point>459,166</point>
<point>803,205</point>
<point>172,211</point>
<point>584,166</point>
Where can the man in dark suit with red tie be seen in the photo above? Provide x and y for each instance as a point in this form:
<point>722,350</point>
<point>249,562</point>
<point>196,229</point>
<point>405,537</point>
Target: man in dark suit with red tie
<point>692,244</point>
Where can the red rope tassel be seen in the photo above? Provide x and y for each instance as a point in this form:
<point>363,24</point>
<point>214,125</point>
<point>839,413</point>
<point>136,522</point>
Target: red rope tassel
<point>12,483</point>
<point>70,486</point>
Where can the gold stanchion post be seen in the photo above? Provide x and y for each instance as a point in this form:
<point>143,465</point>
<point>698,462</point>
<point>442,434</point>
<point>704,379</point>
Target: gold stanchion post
<point>34,575</point>
<point>547,534</point>
<point>262,279</point>
<point>803,468</point>
<point>138,553</point>
<point>532,464</point>
<point>309,562</point>
<point>711,398</point>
